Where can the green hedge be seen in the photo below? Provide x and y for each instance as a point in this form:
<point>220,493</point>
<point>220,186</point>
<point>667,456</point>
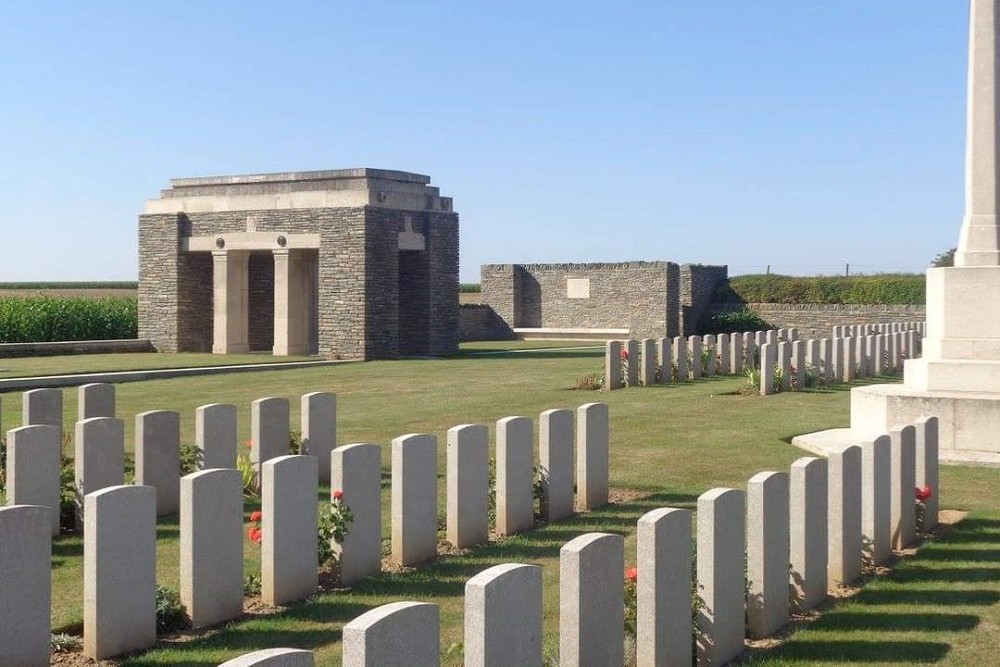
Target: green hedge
<point>114,284</point>
<point>737,321</point>
<point>887,289</point>
<point>467,288</point>
<point>39,319</point>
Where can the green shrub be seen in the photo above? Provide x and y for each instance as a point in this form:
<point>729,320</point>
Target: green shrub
<point>170,613</point>
<point>736,321</point>
<point>38,319</point>
<point>885,289</point>
<point>469,287</point>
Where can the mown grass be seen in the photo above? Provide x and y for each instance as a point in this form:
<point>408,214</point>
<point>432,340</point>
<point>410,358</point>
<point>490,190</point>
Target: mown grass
<point>671,443</point>
<point>16,367</point>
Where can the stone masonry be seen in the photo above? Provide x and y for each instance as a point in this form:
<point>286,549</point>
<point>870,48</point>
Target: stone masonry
<point>354,263</point>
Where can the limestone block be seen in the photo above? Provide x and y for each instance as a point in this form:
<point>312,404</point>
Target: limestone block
<point>119,570</point>
<point>288,555</point>
<point>25,584</point>
<point>555,460</point>
<point>927,466</point>
<point>613,365</point>
<point>844,507</point>
<point>414,498</point>
<point>647,369</point>
<point>665,358</point>
<point>799,363</point>
<point>99,456</point>
<point>319,429</point>
<point>725,363</point>
<point>468,483</point>
<point>785,364</point>
<point>215,434</point>
<point>720,570</point>
<point>503,617</point>
<point>274,657</point>
<point>269,430</point>
<point>43,407</point>
<point>808,536</point>
<point>694,355</point>
<point>158,457</point>
<point>681,358</point>
<point>591,612</point>
<point>737,354</point>
<point>904,481</point>
<point>401,634</point>
<point>592,456</point>
<point>709,347</point>
<point>767,553</point>
<point>768,361</point>
<point>515,458</point>
<point>663,595</point>
<point>632,368</point>
<point>95,400</point>
<point>211,526</point>
<point>876,494</point>
<point>356,470</point>
<point>33,465</point>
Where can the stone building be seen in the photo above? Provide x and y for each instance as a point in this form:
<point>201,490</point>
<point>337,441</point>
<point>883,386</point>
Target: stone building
<point>353,264</point>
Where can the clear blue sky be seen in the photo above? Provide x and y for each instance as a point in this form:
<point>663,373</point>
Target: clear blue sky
<point>803,135</point>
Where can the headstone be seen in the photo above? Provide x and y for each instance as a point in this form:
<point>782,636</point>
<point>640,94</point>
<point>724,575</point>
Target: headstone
<point>400,634</point>
<point>799,363</point>
<point>25,584</point>
<point>414,499</point>
<point>319,429</point>
<point>808,537</point>
<point>119,570</point>
<point>592,456</point>
<point>709,353</point>
<point>827,359</point>
<point>95,400</point>
<point>356,471</point>
<point>721,564</point>
<point>771,336</point>
<point>814,359</point>
<point>844,507</point>
<point>269,430</point>
<point>793,334</point>
<point>663,595</point>
<point>694,355</point>
<point>725,363</point>
<point>632,368</point>
<point>785,364</point>
<point>647,371</point>
<point>847,359</point>
<point>43,407</point>
<point>211,527</point>
<point>737,354</point>
<point>904,482</point>
<point>158,457</point>
<point>680,358</point>
<point>591,609</point>
<point>767,553</point>
<point>768,361</point>
<point>665,358</point>
<point>613,365</point>
<point>99,456</point>
<point>759,338</point>
<point>468,482</point>
<point>33,467</point>
<point>749,349</point>
<point>837,357</point>
<point>927,466</point>
<point>503,616</point>
<point>289,551</point>
<point>215,435</point>
<point>274,657</point>
<point>782,335</point>
<point>555,455</point>
<point>876,494</point>
<point>515,475</point>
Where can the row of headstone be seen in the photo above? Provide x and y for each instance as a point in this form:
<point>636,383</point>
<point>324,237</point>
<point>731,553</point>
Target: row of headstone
<point>795,535</point>
<point>853,330</point>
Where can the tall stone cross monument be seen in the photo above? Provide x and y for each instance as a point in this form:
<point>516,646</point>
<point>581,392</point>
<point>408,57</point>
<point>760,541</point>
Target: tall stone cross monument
<point>958,378</point>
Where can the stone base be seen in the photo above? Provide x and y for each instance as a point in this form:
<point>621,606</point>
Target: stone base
<point>823,443</point>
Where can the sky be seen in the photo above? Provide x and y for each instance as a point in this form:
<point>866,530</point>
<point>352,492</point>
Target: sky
<point>803,136</point>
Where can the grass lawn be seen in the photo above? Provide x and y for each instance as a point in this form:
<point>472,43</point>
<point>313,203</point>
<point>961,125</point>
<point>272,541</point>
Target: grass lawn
<point>127,361</point>
<point>668,443</point>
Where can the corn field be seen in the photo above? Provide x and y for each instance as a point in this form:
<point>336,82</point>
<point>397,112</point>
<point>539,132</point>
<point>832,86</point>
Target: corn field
<point>38,319</point>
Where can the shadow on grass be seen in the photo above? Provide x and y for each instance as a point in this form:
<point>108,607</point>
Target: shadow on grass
<point>839,652</point>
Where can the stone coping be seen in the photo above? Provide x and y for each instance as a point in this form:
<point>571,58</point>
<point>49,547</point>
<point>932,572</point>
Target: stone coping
<point>823,443</point>
<point>51,348</point>
<point>291,176</point>
<point>553,333</point>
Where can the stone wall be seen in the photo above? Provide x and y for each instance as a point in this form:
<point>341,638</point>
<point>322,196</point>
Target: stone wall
<point>817,320</point>
<point>697,287</point>
<point>478,321</point>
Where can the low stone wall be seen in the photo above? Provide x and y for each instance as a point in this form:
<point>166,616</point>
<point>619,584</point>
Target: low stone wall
<point>478,321</point>
<point>816,320</point>
<point>74,347</point>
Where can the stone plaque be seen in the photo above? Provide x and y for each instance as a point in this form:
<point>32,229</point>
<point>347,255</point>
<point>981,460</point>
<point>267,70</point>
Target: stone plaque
<point>578,288</point>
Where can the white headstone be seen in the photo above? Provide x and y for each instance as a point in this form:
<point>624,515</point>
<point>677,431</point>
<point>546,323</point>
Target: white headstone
<point>25,585</point>
<point>414,498</point>
<point>215,435</point>
<point>808,537</point>
<point>555,456</point>
<point>356,471</point>
<point>289,555</point>
<point>591,600</point>
<point>663,595</point>
<point>720,571</point>
<point>514,475</point>
<point>468,484</point>
<point>503,616</point>
<point>400,634</point>
<point>33,467</point>
<point>767,553</point>
<point>592,456</point>
<point>158,457</point>
<point>319,429</point>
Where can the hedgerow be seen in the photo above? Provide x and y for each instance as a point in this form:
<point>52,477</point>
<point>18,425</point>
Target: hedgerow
<point>39,319</point>
<point>887,289</point>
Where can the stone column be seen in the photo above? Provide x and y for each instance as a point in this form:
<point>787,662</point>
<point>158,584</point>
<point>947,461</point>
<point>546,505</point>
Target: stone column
<point>292,296</point>
<point>231,301</point>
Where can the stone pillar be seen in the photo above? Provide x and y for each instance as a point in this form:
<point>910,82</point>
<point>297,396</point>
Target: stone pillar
<point>808,538</point>
<point>400,634</point>
<point>876,494</point>
<point>98,456</point>
<point>927,466</point>
<point>721,564</point>
<point>230,301</point>
<point>680,358</point>
<point>904,482</point>
<point>414,499</point>
<point>119,571</point>
<point>591,610</point>
<point>468,483</point>
<point>211,527</point>
<point>503,616</point>
<point>647,371</point>
<point>158,457</point>
<point>632,369</point>
<point>768,360</point>
<point>844,506</point>
<point>613,365</point>
<point>289,552</point>
<point>356,470</point>
<point>269,430</point>
<point>694,355</point>
<point>96,399</point>
<point>215,435</point>
<point>318,412</point>
<point>25,585</point>
<point>33,465</point>
<point>292,299</point>
<point>515,456</point>
<point>663,596</point>
<point>274,657</point>
<point>42,407</point>
<point>555,459</point>
<point>666,359</point>
<point>767,553</point>
<point>592,456</point>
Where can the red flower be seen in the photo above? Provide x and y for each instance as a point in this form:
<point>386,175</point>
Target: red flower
<point>248,444</point>
<point>255,517</point>
<point>624,355</point>
<point>924,494</point>
<point>255,534</point>
<point>632,574</point>
<point>338,495</point>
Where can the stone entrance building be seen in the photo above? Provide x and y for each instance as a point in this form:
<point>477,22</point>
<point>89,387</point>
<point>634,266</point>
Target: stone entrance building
<point>353,263</point>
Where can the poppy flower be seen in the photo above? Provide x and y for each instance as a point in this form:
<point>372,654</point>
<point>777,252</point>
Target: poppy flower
<point>924,493</point>
<point>632,574</point>
<point>338,495</point>
<point>624,355</point>
<point>255,516</point>
<point>255,534</point>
